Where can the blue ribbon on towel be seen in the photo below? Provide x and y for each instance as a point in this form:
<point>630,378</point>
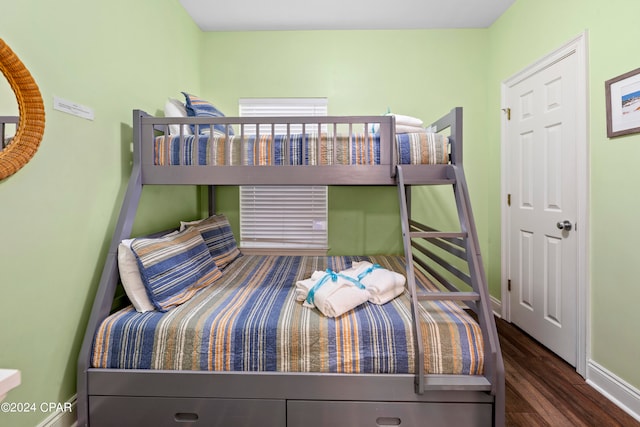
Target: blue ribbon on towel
<point>367,271</point>
<point>312,292</point>
<point>334,277</point>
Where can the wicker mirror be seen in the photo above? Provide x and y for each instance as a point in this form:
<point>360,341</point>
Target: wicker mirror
<point>31,109</point>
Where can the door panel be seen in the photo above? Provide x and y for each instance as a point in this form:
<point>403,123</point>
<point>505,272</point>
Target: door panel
<point>542,182</point>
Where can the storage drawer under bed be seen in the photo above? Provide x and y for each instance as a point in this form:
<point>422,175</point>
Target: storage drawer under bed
<point>382,414</point>
<point>184,412</point>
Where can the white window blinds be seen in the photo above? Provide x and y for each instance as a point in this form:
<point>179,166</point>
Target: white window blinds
<point>282,107</point>
<point>283,217</point>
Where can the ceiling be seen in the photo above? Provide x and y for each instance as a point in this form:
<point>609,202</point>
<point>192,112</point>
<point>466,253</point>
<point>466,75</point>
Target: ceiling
<point>255,15</point>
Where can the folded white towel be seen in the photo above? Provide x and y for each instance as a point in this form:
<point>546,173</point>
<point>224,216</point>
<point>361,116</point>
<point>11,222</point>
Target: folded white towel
<point>381,284</point>
<point>337,298</point>
<point>303,286</point>
<point>331,293</point>
<point>409,129</point>
<point>336,293</point>
<point>404,124</point>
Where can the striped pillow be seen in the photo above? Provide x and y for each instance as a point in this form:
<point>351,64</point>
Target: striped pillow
<point>218,236</point>
<point>198,107</point>
<point>173,268</point>
<point>422,148</point>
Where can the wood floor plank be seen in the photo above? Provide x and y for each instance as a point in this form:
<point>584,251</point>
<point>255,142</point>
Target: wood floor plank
<point>536,394</point>
<point>544,390</point>
<point>529,419</point>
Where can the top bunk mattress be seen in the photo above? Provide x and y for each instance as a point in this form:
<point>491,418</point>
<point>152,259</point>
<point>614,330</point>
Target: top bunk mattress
<point>249,320</point>
<point>297,149</point>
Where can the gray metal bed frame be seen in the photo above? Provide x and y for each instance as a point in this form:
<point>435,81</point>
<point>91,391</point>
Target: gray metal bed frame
<point>4,121</point>
<point>146,397</point>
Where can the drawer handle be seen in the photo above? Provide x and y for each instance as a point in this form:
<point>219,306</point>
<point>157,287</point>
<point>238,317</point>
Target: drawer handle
<point>185,417</point>
<point>388,421</point>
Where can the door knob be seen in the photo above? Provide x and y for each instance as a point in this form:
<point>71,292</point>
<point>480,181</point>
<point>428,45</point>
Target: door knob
<point>564,225</point>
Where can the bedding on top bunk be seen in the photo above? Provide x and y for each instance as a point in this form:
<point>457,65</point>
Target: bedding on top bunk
<point>209,144</point>
<point>297,149</point>
<point>249,320</point>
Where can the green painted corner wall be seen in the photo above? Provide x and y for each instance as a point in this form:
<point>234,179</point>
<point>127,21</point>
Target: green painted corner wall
<point>528,31</point>
<point>59,211</point>
<point>419,73</point>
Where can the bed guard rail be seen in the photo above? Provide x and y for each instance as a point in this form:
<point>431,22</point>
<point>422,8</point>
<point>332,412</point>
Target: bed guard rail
<point>249,127</point>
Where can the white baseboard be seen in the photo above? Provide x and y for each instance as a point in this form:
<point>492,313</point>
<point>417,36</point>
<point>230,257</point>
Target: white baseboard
<point>614,388</point>
<point>496,306</point>
<point>62,418</point>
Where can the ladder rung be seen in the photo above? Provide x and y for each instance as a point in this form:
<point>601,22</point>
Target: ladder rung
<point>435,234</point>
<point>448,296</point>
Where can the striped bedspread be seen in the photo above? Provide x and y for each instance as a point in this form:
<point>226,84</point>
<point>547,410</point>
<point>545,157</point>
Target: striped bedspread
<point>360,149</point>
<point>249,320</point>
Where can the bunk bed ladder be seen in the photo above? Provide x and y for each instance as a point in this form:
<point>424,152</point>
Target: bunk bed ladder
<point>464,245</point>
<point>455,244</point>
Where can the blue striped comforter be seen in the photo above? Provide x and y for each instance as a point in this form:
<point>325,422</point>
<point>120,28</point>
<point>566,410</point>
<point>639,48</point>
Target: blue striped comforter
<point>249,320</point>
<point>411,148</point>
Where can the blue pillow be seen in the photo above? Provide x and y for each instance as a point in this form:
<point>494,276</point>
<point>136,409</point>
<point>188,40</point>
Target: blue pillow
<point>198,107</point>
<point>218,236</point>
<point>174,267</point>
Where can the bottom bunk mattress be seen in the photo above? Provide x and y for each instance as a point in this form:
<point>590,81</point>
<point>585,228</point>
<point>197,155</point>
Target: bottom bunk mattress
<point>249,320</point>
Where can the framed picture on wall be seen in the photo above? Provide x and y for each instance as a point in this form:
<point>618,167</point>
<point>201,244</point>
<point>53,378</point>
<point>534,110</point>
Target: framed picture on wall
<point>623,104</point>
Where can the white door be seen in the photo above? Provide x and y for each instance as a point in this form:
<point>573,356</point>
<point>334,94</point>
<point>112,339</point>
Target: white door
<point>542,187</point>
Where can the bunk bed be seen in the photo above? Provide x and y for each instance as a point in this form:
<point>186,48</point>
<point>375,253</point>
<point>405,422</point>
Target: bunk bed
<point>429,380</point>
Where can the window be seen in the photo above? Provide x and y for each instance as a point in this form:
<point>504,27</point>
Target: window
<point>287,218</point>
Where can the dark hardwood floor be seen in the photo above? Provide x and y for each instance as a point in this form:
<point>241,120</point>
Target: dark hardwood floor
<point>543,390</point>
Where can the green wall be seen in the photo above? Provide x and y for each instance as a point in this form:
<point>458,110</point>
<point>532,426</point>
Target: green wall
<point>57,213</point>
<point>529,30</point>
<point>419,73</point>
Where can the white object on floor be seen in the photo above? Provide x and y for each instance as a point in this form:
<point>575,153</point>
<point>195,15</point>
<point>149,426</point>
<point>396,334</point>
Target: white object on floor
<point>9,379</point>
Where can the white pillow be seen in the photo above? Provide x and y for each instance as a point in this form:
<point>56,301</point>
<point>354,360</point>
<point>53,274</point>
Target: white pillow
<point>407,120</point>
<point>130,277</point>
<point>175,108</point>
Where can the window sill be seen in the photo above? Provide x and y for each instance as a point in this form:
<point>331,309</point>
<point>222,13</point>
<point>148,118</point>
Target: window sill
<point>284,251</point>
